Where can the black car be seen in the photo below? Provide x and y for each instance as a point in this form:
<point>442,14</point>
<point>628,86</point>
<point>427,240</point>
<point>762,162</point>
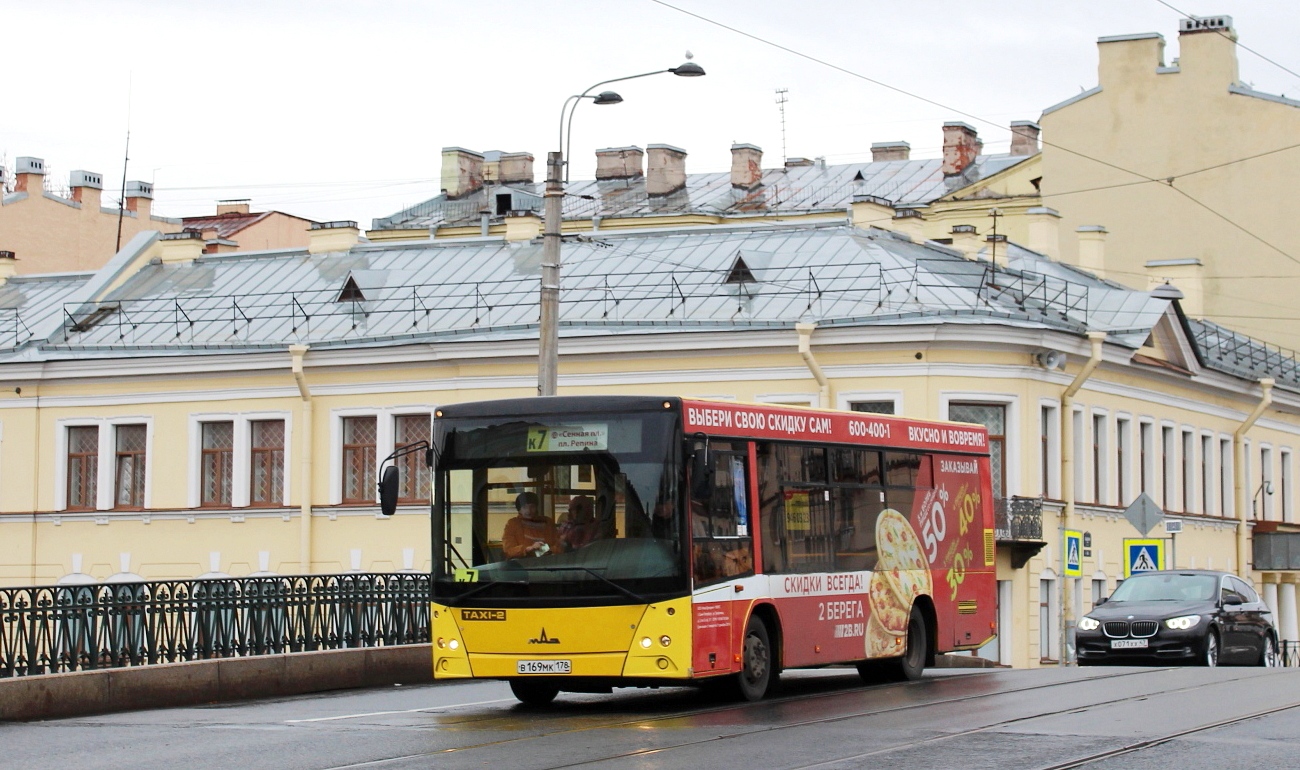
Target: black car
<point>1179,616</point>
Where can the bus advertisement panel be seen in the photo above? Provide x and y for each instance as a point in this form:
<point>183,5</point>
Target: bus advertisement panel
<point>583,543</point>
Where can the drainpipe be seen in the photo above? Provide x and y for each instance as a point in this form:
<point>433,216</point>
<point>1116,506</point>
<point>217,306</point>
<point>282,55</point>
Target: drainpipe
<point>805,351</point>
<point>304,534</point>
<point>1240,491</point>
<point>1095,339</point>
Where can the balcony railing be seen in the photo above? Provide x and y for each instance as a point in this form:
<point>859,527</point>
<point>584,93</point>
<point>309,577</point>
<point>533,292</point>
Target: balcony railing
<point>54,629</point>
<point>1019,519</point>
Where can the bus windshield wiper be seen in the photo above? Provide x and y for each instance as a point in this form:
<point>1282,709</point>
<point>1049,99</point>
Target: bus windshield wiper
<point>481,587</point>
<point>626,592</point>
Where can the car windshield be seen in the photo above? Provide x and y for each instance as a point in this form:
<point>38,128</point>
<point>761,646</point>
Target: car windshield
<point>1167,588</point>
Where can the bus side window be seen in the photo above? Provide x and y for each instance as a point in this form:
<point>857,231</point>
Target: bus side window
<point>720,522</point>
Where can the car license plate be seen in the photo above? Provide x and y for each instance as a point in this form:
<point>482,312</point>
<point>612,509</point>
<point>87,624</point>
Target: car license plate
<point>544,666</point>
<point>1122,644</point>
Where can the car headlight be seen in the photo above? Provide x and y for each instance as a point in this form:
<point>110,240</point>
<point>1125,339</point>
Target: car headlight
<point>1183,623</point>
<point>1088,624</point>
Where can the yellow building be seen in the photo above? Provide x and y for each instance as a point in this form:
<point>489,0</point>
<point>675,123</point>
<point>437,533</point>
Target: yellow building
<point>179,413</point>
<point>1191,172</point>
<point>48,233</point>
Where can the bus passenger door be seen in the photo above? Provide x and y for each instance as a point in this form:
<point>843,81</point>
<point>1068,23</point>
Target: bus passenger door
<point>721,551</point>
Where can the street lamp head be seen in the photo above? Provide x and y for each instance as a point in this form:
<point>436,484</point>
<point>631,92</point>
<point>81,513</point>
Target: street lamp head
<point>688,70</point>
<point>607,97</point>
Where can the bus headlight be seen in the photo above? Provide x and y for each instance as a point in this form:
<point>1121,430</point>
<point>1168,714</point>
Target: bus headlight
<point>1088,624</point>
<point>1183,623</point>
<point>645,642</point>
<point>665,640</point>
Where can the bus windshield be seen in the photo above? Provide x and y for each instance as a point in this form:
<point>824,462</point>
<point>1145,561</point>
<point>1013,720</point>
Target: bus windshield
<point>555,510</point>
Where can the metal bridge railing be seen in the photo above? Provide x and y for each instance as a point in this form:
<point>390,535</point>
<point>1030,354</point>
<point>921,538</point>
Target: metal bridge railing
<point>55,629</point>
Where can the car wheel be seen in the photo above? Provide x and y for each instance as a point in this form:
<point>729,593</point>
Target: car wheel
<point>755,677</point>
<point>1268,655</point>
<point>533,693</point>
<point>1210,653</point>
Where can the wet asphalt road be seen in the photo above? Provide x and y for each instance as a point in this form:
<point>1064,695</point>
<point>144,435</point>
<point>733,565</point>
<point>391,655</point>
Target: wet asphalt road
<point>1185,718</point>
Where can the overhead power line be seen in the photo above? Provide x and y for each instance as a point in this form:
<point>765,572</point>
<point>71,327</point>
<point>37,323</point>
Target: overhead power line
<point>1240,45</point>
<point>1168,181</point>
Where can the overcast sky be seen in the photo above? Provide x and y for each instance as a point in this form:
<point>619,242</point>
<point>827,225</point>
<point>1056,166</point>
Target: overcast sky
<point>337,109</point>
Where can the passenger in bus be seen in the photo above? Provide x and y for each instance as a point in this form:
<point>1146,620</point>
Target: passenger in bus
<point>580,526</point>
<point>530,533</point>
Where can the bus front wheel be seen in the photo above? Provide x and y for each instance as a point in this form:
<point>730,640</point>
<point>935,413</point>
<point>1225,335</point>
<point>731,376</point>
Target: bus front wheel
<point>533,693</point>
<point>755,677</point>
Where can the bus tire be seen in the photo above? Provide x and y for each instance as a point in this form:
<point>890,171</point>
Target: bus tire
<point>756,674</point>
<point>533,693</point>
<point>908,667</point>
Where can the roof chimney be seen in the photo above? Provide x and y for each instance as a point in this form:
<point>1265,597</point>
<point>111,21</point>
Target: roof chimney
<point>1207,46</point>
<point>139,197</point>
<point>960,146</point>
<point>881,151</point>
<point>1092,249</point>
<point>1024,137</point>
<point>746,166</point>
<point>29,175</point>
<point>462,171</point>
<point>1044,230</point>
<point>340,235</point>
<point>665,169</point>
<point>515,168</point>
<point>87,187</point>
<point>233,206</point>
<point>8,266</point>
<point>185,246</point>
<point>797,162</point>
<point>619,163</point>
<point>966,239</point>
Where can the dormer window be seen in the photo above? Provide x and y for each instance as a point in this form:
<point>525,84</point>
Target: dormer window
<point>740,272</point>
<point>351,292</point>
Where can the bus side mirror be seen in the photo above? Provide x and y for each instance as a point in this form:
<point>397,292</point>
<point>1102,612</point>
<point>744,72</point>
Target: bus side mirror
<point>388,491</point>
<point>701,471</point>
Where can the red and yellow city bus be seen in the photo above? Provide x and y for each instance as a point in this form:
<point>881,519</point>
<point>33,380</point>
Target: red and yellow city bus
<point>589,542</point>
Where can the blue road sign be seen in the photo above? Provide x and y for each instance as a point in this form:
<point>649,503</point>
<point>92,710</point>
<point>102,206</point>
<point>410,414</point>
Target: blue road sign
<point>1143,555</point>
<point>1073,548</point>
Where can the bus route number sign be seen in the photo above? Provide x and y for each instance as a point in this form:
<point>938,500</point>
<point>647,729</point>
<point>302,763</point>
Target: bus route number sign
<point>568,438</point>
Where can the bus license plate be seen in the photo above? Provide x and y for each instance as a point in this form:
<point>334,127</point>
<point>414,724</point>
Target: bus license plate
<point>544,666</point>
<point>1123,644</point>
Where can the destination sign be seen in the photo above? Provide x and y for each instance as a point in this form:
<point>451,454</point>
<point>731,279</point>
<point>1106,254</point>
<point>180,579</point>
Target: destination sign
<point>756,421</point>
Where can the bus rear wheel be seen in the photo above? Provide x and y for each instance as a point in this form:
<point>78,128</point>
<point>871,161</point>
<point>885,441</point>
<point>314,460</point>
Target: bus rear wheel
<point>756,675</point>
<point>911,665</point>
<point>533,693</point>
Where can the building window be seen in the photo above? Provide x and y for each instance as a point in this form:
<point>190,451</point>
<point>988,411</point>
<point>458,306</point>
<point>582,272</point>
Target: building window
<point>994,418</point>
<point>1266,483</point>
<point>1098,590</point>
<point>1168,467</point>
<point>1207,475</point>
<point>218,461</point>
<point>1189,471</point>
<point>359,437</point>
<point>1044,433</point>
<point>1098,457</point>
<point>129,475</point>
<point>413,475</point>
<point>1226,508</point>
<point>1146,459</point>
<point>1047,598</point>
<point>266,458</point>
<point>1123,456</point>
<point>83,467</point>
<point>1284,486</point>
<point>874,407</point>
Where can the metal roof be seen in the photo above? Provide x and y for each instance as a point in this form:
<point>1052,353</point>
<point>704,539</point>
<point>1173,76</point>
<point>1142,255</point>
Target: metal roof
<point>798,189</point>
<point>729,277</point>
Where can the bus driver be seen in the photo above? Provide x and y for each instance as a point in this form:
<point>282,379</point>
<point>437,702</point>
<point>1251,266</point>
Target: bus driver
<point>530,533</point>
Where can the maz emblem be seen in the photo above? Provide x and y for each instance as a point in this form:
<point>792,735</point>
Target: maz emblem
<point>543,639</point>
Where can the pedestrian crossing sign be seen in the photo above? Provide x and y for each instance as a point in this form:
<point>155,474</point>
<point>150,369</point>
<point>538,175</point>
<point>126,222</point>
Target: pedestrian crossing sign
<point>1142,555</point>
<point>1073,548</point>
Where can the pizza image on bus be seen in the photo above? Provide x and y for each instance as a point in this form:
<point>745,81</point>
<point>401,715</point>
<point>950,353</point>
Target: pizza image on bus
<point>901,574</point>
<point>900,546</point>
<point>881,643</point>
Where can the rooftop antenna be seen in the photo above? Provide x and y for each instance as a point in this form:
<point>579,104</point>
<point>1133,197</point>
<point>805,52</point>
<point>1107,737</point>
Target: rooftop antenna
<point>126,156</point>
<point>780,105</point>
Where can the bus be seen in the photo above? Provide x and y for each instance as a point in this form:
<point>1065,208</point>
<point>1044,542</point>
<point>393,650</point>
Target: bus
<point>582,543</point>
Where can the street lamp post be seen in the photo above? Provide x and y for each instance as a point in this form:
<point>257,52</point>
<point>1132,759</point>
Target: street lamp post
<point>548,345</point>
